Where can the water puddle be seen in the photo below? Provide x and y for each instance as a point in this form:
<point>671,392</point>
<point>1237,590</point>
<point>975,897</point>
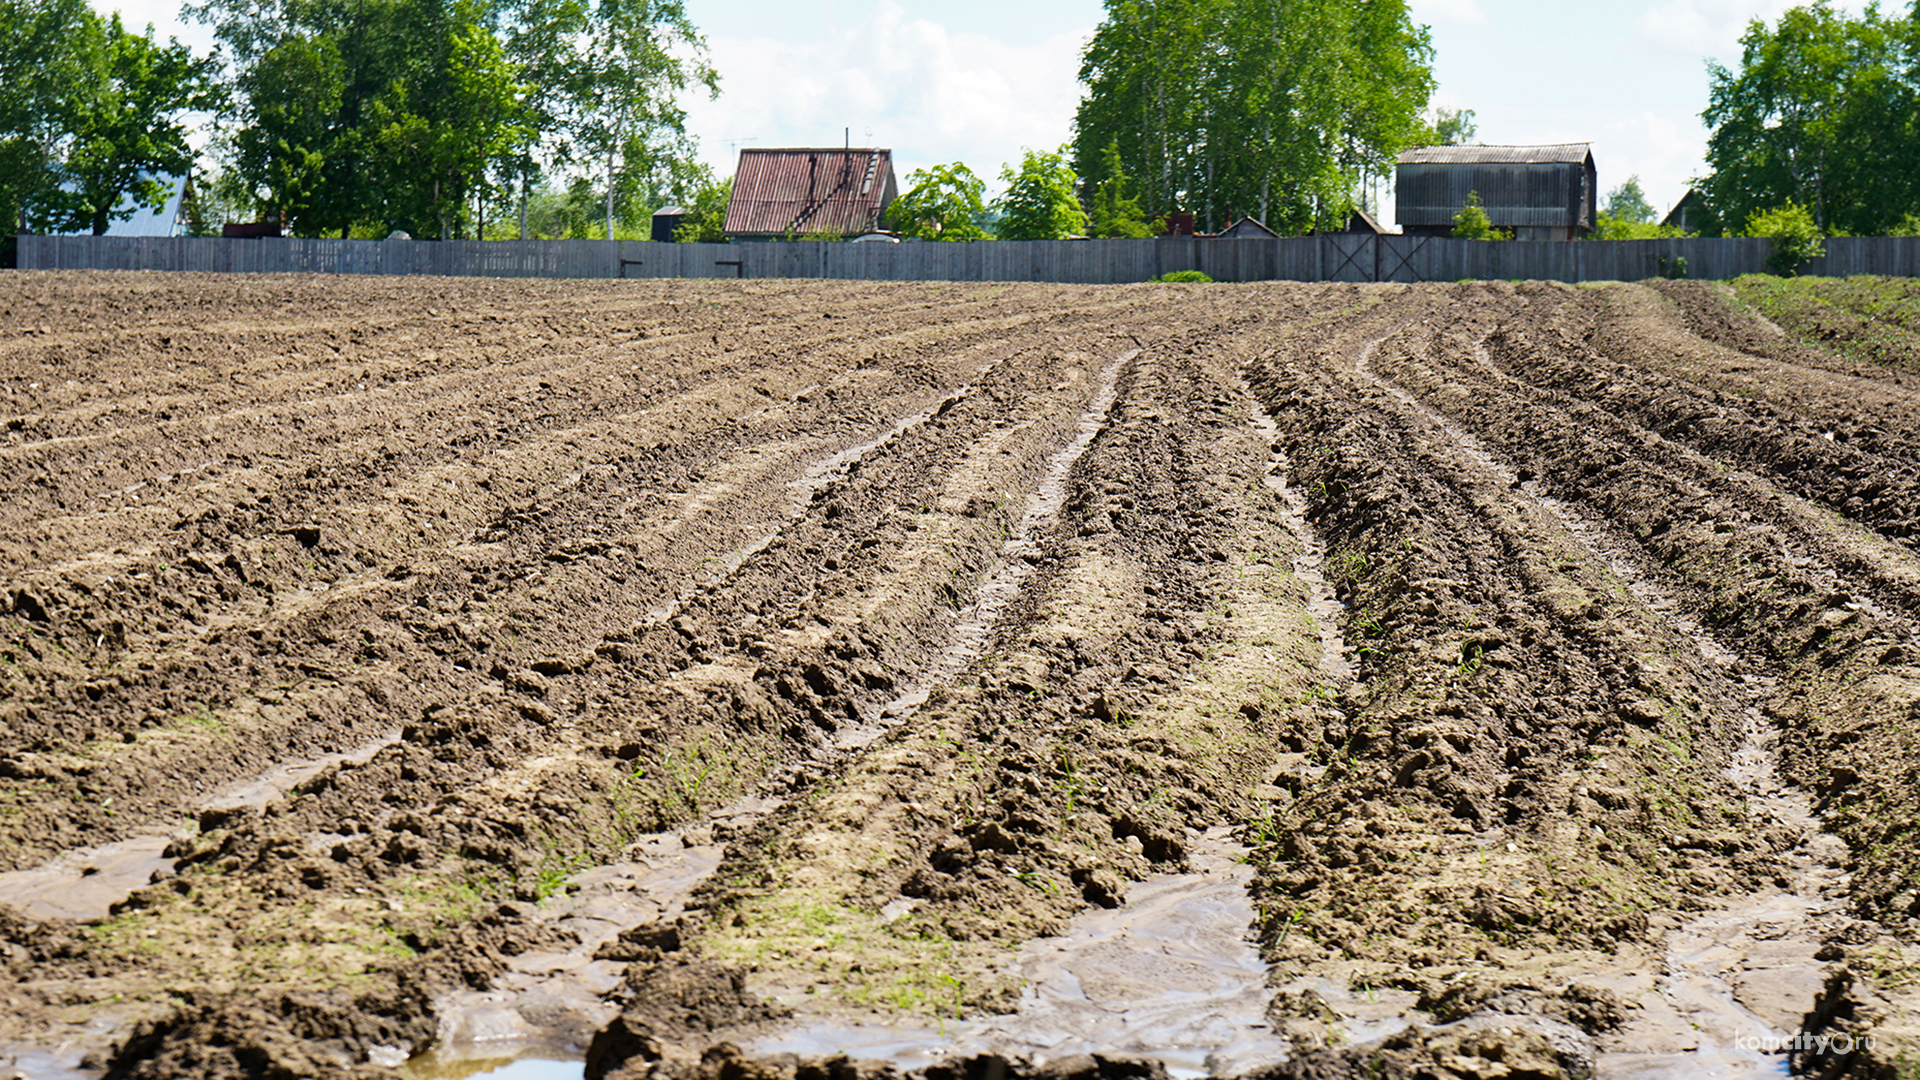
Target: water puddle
<point>548,1005</point>
<point>84,884</point>
<point>1168,976</point>
<point>1731,981</point>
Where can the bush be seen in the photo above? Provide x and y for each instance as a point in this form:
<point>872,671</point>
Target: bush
<point>1183,276</point>
<point>1795,237</point>
<point>1472,223</point>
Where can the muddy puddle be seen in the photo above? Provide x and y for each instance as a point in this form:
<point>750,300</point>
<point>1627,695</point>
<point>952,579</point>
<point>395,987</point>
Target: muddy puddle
<point>83,885</point>
<point>1169,976</point>
<point>538,1018</point>
<point>1729,983</point>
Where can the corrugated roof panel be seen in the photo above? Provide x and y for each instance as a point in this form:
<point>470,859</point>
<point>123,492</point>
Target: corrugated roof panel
<point>844,191</point>
<point>1570,153</point>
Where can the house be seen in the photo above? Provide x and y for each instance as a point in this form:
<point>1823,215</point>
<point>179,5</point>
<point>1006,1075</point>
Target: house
<point>1690,214</point>
<point>1362,222</point>
<point>1539,192</point>
<point>787,194</point>
<point>169,220</point>
<point>1247,229</point>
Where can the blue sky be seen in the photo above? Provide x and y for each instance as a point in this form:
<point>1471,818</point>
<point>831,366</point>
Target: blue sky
<point>977,81</point>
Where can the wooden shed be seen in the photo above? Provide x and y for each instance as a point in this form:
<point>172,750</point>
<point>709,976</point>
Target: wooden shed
<point>1539,192</point>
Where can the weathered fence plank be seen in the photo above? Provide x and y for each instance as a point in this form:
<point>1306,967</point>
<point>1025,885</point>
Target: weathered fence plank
<point>1337,257</point>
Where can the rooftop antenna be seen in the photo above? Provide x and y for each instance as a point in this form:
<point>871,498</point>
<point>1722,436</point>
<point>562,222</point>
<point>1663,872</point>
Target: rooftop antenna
<point>733,145</point>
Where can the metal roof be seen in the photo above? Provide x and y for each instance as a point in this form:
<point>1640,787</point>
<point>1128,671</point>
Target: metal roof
<point>145,220</point>
<point>1569,153</point>
<point>799,191</point>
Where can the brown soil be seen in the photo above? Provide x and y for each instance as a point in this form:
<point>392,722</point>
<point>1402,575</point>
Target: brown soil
<point>388,607</point>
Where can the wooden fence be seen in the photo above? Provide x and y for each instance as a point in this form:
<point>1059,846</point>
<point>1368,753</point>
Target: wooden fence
<point>1335,257</point>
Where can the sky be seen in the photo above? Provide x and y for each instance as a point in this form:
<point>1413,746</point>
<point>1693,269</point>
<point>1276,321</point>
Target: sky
<point>979,81</point>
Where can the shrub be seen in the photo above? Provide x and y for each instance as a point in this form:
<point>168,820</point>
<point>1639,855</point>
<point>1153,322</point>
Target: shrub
<point>1472,223</point>
<point>1795,237</point>
<point>1181,276</point>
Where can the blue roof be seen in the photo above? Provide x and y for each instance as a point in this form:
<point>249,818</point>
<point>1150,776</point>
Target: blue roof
<point>147,221</point>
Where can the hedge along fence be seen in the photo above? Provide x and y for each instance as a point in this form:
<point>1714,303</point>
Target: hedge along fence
<point>1332,257</point>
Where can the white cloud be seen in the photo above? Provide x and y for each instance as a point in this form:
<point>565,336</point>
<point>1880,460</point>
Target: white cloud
<point>1710,27</point>
<point>1664,151</point>
<point>931,95</point>
<point>1455,12</point>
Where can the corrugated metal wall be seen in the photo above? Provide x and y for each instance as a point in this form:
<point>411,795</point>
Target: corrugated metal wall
<point>1334,257</point>
<point>1513,194</point>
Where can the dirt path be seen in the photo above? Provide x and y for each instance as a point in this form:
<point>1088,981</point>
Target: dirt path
<point>621,669</point>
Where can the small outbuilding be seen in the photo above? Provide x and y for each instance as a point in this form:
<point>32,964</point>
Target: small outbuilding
<point>667,221</point>
<point>1247,229</point>
<point>1539,192</point>
<point>1363,223</point>
<point>1690,214</point>
<point>787,194</point>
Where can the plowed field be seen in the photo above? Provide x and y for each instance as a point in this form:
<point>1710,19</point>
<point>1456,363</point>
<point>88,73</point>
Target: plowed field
<point>400,675</point>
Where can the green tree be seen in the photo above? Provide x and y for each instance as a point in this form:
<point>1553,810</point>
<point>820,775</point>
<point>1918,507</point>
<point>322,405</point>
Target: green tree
<point>1796,237</point>
<point>424,114</point>
<point>943,203</point>
<point>1472,223</point>
<point>1040,203</point>
<point>432,141</point>
<point>1114,213</point>
<point>51,52</point>
<point>1628,203</point>
<point>1454,127</point>
<point>1824,112</point>
<point>1281,111</point>
<point>706,221</point>
<point>293,95</point>
<point>128,130</point>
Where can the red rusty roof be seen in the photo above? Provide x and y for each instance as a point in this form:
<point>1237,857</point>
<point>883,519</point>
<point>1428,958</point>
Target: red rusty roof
<point>777,192</point>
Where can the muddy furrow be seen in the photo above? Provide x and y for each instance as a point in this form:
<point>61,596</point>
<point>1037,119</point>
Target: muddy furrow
<point>1814,456</point>
<point>688,505</point>
<point>227,359</point>
<point>1130,695</point>
<point>1770,582</point>
<point>1838,685</point>
<point>710,728</point>
<point>1527,739</point>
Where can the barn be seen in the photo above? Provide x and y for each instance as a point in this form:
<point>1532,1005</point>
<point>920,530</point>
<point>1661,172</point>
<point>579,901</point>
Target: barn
<point>1539,192</point>
<point>782,194</point>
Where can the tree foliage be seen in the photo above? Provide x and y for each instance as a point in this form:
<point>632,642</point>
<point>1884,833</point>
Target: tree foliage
<point>90,115</point>
<point>1040,202</point>
<point>1628,203</point>
<point>1115,214</point>
<point>1472,223</point>
<point>1824,112</point>
<point>1796,238</point>
<point>1454,127</point>
<point>421,114</point>
<point>1226,107</point>
<point>706,220</point>
<point>1628,216</point>
<point>943,203</point>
